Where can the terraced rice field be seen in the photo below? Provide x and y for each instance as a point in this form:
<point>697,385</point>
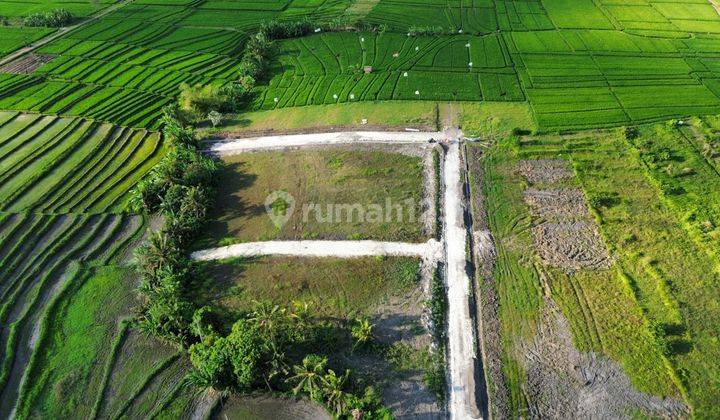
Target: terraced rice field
<point>61,179</point>
<point>79,8</point>
<point>327,68</point>
<point>585,64</point>
<point>53,164</point>
<point>12,38</point>
<point>40,257</point>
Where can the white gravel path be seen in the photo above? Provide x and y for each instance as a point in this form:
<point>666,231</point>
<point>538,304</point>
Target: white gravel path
<point>461,346</point>
<point>231,147</point>
<point>429,251</point>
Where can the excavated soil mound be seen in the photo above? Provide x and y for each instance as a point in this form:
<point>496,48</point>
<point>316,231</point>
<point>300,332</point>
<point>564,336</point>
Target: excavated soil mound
<point>564,383</point>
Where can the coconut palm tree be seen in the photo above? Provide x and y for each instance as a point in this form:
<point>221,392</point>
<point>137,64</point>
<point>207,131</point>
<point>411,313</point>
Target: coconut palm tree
<point>333,390</point>
<point>309,376</point>
<point>269,318</point>
<point>361,332</point>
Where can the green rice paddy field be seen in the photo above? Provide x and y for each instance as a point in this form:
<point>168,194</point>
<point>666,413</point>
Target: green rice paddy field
<point>579,64</point>
<point>77,133</point>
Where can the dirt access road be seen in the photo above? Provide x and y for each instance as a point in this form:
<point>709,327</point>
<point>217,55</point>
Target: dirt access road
<point>430,251</point>
<point>462,352</point>
<point>60,32</point>
<point>237,146</point>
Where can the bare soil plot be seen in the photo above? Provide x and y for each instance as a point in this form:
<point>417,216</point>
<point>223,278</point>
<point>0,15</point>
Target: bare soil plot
<point>542,171</point>
<point>27,64</point>
<point>563,381</point>
<point>268,407</point>
<point>553,204</point>
<point>565,237</point>
<point>570,246</point>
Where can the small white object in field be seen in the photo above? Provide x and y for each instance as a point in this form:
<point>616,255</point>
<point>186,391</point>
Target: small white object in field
<point>467,45</point>
<point>459,31</point>
<point>352,96</point>
<point>335,96</point>
<point>404,74</point>
<point>276,100</point>
<point>362,39</point>
<point>317,30</point>
<point>417,48</point>
<point>470,64</point>
<point>417,92</point>
<point>363,121</point>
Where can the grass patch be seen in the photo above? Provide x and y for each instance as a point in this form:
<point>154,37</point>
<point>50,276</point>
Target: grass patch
<point>77,335</point>
<point>334,287</point>
<point>330,179</point>
<point>398,115</point>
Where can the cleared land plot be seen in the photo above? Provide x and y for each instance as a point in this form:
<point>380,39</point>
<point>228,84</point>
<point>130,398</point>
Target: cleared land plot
<point>59,165</point>
<point>335,287</point>
<point>334,180</point>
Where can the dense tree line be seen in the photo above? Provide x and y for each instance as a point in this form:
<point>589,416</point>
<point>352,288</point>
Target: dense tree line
<point>52,19</point>
<point>181,189</point>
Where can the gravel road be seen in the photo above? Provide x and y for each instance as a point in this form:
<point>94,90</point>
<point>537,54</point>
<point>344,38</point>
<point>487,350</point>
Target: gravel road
<point>461,345</point>
<point>429,251</point>
<point>232,147</point>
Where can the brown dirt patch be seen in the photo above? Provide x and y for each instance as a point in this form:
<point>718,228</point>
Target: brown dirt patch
<point>570,246</point>
<point>400,321</point>
<point>565,236</point>
<point>556,204</point>
<point>565,383</point>
<point>544,171</point>
<point>27,64</point>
